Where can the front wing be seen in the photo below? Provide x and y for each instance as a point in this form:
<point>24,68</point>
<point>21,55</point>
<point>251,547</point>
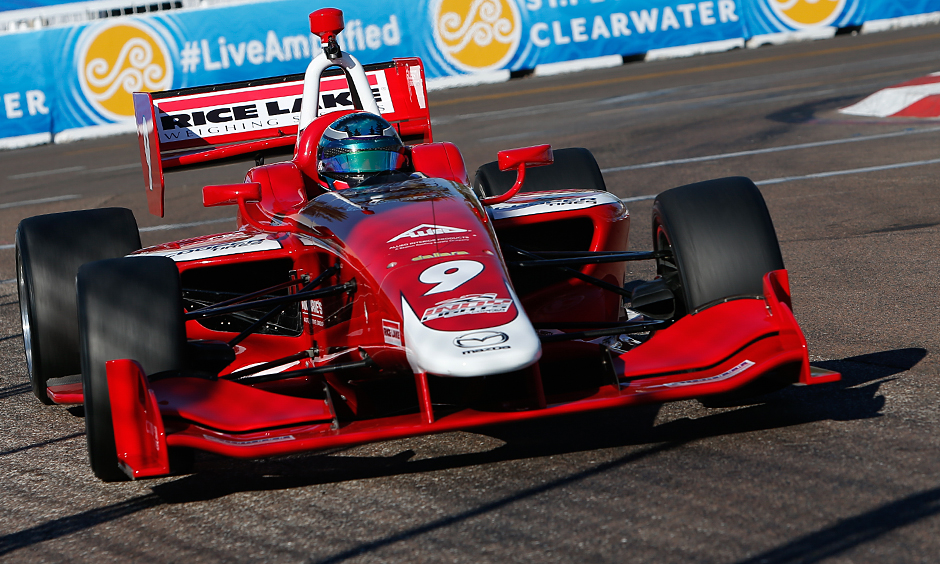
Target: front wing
<point>717,350</point>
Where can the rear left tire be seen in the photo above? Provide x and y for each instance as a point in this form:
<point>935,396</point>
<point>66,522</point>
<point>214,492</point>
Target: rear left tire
<point>49,251</point>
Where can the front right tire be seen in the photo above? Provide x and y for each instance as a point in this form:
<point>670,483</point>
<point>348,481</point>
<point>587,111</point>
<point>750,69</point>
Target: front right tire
<point>722,241</point>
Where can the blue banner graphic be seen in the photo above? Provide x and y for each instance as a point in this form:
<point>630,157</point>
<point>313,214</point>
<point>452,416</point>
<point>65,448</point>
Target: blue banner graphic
<point>26,93</point>
<point>777,16</point>
<point>479,36</point>
<point>66,78</point>
<point>885,9</point>
<point>6,5</point>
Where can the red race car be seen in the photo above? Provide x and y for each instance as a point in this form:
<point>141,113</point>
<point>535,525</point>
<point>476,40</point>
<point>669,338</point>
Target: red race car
<point>373,291</point>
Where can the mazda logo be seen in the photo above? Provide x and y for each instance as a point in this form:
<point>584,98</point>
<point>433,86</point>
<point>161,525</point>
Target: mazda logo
<point>480,339</point>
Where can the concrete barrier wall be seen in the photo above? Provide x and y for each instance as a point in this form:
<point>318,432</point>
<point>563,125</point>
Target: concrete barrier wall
<point>67,83</point>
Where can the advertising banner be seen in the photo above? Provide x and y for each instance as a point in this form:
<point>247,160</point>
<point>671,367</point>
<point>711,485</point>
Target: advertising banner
<point>25,91</point>
<point>779,16</point>
<point>483,35</point>
<point>74,77</point>
<point>885,9</point>
<point>102,64</point>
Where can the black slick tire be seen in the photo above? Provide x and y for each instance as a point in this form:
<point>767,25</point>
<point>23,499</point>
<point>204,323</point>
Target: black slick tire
<point>49,251</point>
<point>574,168</point>
<point>722,240</point>
<point>127,308</point>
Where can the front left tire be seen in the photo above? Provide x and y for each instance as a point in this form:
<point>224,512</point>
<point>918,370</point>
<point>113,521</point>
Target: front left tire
<point>132,308</point>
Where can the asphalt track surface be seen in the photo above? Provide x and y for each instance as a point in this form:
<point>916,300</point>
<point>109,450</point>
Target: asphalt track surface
<point>844,472</point>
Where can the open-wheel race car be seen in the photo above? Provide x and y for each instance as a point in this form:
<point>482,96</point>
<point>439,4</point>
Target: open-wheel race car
<point>373,290</point>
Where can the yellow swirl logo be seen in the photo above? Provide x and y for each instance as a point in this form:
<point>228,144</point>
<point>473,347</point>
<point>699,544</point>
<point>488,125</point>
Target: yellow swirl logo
<point>802,14</point>
<point>117,60</point>
<point>477,35</point>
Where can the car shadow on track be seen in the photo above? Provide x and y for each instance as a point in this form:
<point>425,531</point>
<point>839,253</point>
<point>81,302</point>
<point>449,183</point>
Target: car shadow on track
<point>855,397</point>
<point>854,531</point>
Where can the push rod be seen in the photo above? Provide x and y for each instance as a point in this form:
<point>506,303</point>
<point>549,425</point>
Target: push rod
<point>298,297</point>
<point>279,308</point>
<point>579,275</point>
<point>592,259</point>
<point>594,333</point>
<point>243,297</point>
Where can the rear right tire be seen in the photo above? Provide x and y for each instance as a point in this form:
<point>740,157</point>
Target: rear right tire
<point>573,168</point>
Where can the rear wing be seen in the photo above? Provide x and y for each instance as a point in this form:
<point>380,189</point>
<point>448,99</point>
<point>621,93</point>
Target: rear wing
<point>204,125</point>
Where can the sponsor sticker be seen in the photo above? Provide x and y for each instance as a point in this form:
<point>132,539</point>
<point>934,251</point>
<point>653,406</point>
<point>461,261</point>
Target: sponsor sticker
<point>727,374</point>
<point>249,443</point>
<point>204,251</point>
<point>487,349</point>
<point>481,338</point>
<point>392,332</point>
<point>256,109</point>
<point>439,255</point>
<point>482,341</point>
<point>426,230</point>
<point>314,311</point>
<point>549,204</point>
<point>471,304</point>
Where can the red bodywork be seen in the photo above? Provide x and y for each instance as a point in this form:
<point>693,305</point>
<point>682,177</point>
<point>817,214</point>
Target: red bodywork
<point>433,297</point>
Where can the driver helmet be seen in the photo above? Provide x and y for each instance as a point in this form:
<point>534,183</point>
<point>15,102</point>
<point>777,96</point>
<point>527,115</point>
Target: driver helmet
<point>359,146</point>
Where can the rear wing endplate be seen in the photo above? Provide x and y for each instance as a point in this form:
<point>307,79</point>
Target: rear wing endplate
<point>191,127</point>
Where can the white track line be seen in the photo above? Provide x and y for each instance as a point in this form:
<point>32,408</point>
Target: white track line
<point>638,198</point>
<point>39,201</point>
<point>813,176</point>
<point>112,168</point>
<point>155,228</point>
<point>184,225</point>
<point>78,169</point>
<point>849,171</point>
<point>46,172</point>
<point>774,149</point>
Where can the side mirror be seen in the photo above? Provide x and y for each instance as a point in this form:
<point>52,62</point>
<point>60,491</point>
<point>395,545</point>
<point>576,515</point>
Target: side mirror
<point>518,160</point>
<point>231,194</point>
<point>512,159</point>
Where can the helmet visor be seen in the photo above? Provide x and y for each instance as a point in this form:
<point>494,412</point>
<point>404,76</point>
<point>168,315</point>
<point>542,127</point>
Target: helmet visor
<point>363,159</point>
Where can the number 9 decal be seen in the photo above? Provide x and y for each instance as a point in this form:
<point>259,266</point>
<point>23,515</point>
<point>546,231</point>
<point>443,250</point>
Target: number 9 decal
<point>449,275</point>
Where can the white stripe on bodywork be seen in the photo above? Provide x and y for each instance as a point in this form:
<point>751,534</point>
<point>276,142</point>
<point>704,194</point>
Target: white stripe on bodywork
<point>552,202</point>
<point>432,351</point>
<point>204,250</point>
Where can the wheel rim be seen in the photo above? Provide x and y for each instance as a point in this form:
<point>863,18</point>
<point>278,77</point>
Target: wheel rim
<point>668,269</point>
<point>25,315</point>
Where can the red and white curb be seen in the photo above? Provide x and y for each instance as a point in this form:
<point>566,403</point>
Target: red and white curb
<point>915,98</point>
